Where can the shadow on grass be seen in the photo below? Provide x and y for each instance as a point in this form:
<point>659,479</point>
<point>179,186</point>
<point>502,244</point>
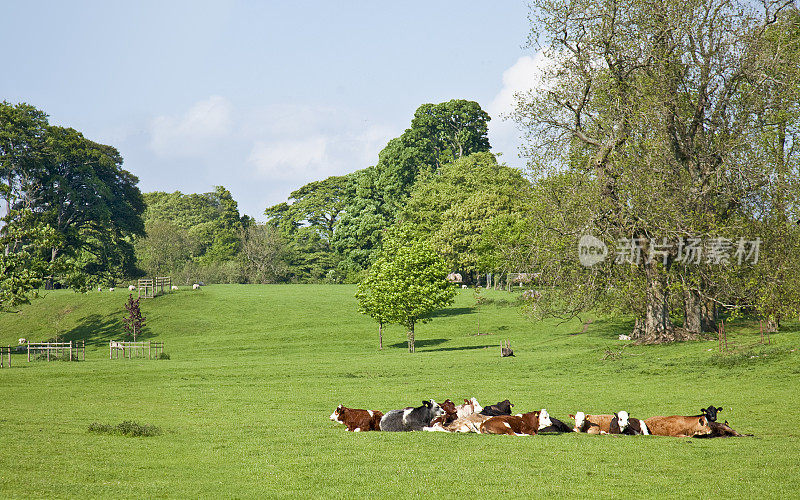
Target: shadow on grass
<point>453,311</point>
<point>464,348</point>
<point>420,343</point>
<point>97,330</point>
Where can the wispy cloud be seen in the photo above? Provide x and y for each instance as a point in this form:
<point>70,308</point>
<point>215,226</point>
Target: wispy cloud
<point>192,133</point>
<point>263,153</point>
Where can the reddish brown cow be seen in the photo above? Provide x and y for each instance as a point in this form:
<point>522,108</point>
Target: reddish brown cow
<point>357,420</point>
<point>592,424</point>
<point>679,426</point>
<point>526,424</point>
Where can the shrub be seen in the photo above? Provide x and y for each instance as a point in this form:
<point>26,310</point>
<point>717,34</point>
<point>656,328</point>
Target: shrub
<point>126,428</point>
<point>163,355</point>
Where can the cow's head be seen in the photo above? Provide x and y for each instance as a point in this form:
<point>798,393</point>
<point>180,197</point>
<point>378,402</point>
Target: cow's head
<point>711,412</point>
<point>448,406</point>
<point>622,420</point>
<point>436,410</point>
<point>544,419</point>
<point>580,419</point>
<point>336,413</point>
<point>476,407</point>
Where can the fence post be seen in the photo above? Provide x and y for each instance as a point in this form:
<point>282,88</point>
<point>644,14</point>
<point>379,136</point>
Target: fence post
<point>29,352</point>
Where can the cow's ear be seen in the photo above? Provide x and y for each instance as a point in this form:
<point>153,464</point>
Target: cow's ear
<point>719,409</point>
<point>616,416</point>
<point>703,410</point>
<point>426,404</point>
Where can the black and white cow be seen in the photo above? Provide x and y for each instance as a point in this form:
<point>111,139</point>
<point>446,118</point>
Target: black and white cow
<point>622,423</point>
<point>551,424</point>
<point>411,419</point>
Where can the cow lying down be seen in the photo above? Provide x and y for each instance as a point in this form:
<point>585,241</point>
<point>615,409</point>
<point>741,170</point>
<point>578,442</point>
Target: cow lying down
<point>526,424</point>
<point>357,420</point>
<point>679,426</point>
<point>411,419</point>
<point>618,423</point>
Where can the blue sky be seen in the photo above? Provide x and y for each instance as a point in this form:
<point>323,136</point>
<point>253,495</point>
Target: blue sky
<point>260,97</point>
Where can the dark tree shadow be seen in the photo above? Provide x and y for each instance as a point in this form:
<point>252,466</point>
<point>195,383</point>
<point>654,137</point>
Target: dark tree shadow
<point>97,330</point>
<point>420,343</point>
<point>453,311</point>
<point>464,348</point>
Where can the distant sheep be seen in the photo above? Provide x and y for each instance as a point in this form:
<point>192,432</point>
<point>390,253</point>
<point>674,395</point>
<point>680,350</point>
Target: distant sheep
<point>99,288</point>
<point>131,288</point>
<point>174,287</point>
<point>463,287</point>
<point>111,289</point>
<point>195,286</point>
<point>454,278</point>
<point>624,337</point>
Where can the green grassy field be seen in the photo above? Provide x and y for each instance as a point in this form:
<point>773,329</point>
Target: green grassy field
<point>255,371</point>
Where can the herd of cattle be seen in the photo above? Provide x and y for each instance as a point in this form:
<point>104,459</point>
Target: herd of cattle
<point>497,419</point>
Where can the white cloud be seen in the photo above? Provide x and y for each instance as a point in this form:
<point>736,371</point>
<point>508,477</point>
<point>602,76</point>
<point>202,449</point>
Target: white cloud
<point>524,75</point>
<point>192,133</point>
<point>261,153</point>
<point>290,159</point>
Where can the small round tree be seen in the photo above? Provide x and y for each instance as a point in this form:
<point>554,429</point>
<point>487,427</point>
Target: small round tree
<point>405,285</point>
<point>134,321</point>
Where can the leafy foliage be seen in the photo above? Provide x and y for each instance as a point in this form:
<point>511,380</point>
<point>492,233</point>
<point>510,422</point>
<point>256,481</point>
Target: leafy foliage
<point>405,285</point>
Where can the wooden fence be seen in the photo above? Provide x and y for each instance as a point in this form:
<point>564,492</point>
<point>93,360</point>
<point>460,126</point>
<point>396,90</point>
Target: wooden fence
<point>151,287</point>
<point>5,351</point>
<point>136,349</point>
<point>57,349</point>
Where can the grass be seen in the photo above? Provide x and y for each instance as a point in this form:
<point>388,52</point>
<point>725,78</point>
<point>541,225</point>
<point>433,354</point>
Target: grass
<point>256,370</point>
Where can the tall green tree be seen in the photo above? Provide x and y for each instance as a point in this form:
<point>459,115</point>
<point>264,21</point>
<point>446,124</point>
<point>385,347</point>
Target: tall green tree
<point>652,105</point>
<point>406,284</point>
<point>439,134</point>
<point>22,132</point>
<point>453,206</point>
<point>81,190</point>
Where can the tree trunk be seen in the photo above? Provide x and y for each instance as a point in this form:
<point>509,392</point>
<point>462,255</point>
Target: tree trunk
<point>708,316</point>
<point>380,335</point>
<point>411,337</point>
<point>656,326</point>
<point>692,312</point>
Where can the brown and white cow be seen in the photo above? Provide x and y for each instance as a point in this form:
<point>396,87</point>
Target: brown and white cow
<point>526,424</point>
<point>679,426</point>
<point>469,407</point>
<point>449,416</point>
<point>357,420</point>
<point>592,424</point>
<point>470,423</point>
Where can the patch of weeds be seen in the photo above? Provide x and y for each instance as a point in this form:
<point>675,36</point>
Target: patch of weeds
<point>163,355</point>
<point>126,428</point>
<point>748,356</point>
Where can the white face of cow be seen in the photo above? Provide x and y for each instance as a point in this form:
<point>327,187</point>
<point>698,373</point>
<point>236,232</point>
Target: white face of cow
<point>477,407</point>
<point>335,415</point>
<point>580,417</point>
<point>544,419</point>
<point>623,420</point>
